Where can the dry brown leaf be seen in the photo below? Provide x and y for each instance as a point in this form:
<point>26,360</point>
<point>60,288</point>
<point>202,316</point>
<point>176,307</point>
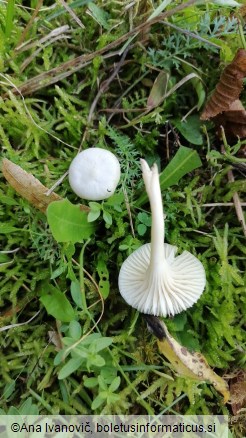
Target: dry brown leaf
<point>185,363</point>
<point>238,392</point>
<point>27,185</point>
<point>233,120</point>
<point>158,91</point>
<point>242,11</point>
<point>30,187</point>
<point>228,88</point>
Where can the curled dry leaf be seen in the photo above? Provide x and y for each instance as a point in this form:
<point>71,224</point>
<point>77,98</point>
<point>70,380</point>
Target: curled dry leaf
<point>228,88</point>
<point>224,107</point>
<point>233,120</point>
<point>185,363</point>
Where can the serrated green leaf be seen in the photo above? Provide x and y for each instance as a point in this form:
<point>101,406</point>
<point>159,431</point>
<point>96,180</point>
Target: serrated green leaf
<point>67,222</point>
<point>57,305</point>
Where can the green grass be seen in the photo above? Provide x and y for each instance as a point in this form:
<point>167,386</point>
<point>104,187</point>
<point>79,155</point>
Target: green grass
<point>42,125</point>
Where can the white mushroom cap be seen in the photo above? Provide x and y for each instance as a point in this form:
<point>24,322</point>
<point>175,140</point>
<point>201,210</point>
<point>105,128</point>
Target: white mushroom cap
<point>174,288</point>
<point>94,174</point>
<point>152,279</point>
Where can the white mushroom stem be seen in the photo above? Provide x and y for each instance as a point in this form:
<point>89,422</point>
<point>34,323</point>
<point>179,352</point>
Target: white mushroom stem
<point>152,185</point>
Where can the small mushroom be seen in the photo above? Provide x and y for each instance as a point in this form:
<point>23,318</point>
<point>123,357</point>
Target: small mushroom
<point>94,174</point>
<point>152,279</point>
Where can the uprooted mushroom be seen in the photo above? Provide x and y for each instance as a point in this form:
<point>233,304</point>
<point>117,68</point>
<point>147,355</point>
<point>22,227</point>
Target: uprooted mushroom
<point>152,279</point>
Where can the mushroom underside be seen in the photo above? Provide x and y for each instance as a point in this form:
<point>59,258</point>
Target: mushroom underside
<point>162,290</point>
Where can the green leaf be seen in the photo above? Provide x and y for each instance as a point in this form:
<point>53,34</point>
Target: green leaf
<point>100,344</point>
<point>99,15</point>
<point>102,271</point>
<point>8,389</point>
<point>75,330</point>
<point>95,360</point>
<point>97,402</point>
<point>62,11</point>
<point>89,339</point>
<point>191,129</point>
<point>76,294</point>
<point>107,218</point>
<point>69,368</point>
<point>9,20</point>
<point>7,228</point>
<point>93,215</point>
<point>115,384</point>
<point>141,229</point>
<point>67,222</point>
<point>7,200</point>
<point>159,9</point>
<point>57,305</point>
<point>91,382</point>
<point>144,218</point>
<point>183,162</point>
<point>178,322</point>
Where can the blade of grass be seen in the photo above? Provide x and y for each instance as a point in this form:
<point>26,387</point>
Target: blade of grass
<point>183,162</point>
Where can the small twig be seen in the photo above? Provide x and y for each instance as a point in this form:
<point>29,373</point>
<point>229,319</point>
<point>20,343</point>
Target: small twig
<point>49,37</point>
<point>56,184</point>
<point>72,13</point>
<point>191,34</point>
<point>236,199</point>
<point>128,210</point>
<point>10,251</point>
<point>106,84</point>
<point>7,327</point>
<point>222,204</point>
<point>29,24</point>
<point>69,67</point>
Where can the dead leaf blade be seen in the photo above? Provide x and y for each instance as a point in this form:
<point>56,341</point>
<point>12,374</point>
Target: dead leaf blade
<point>27,185</point>
<point>192,365</point>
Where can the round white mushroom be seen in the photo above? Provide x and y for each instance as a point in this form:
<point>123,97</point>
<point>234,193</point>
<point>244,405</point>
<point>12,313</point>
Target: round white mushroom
<point>94,174</point>
<point>152,279</point>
